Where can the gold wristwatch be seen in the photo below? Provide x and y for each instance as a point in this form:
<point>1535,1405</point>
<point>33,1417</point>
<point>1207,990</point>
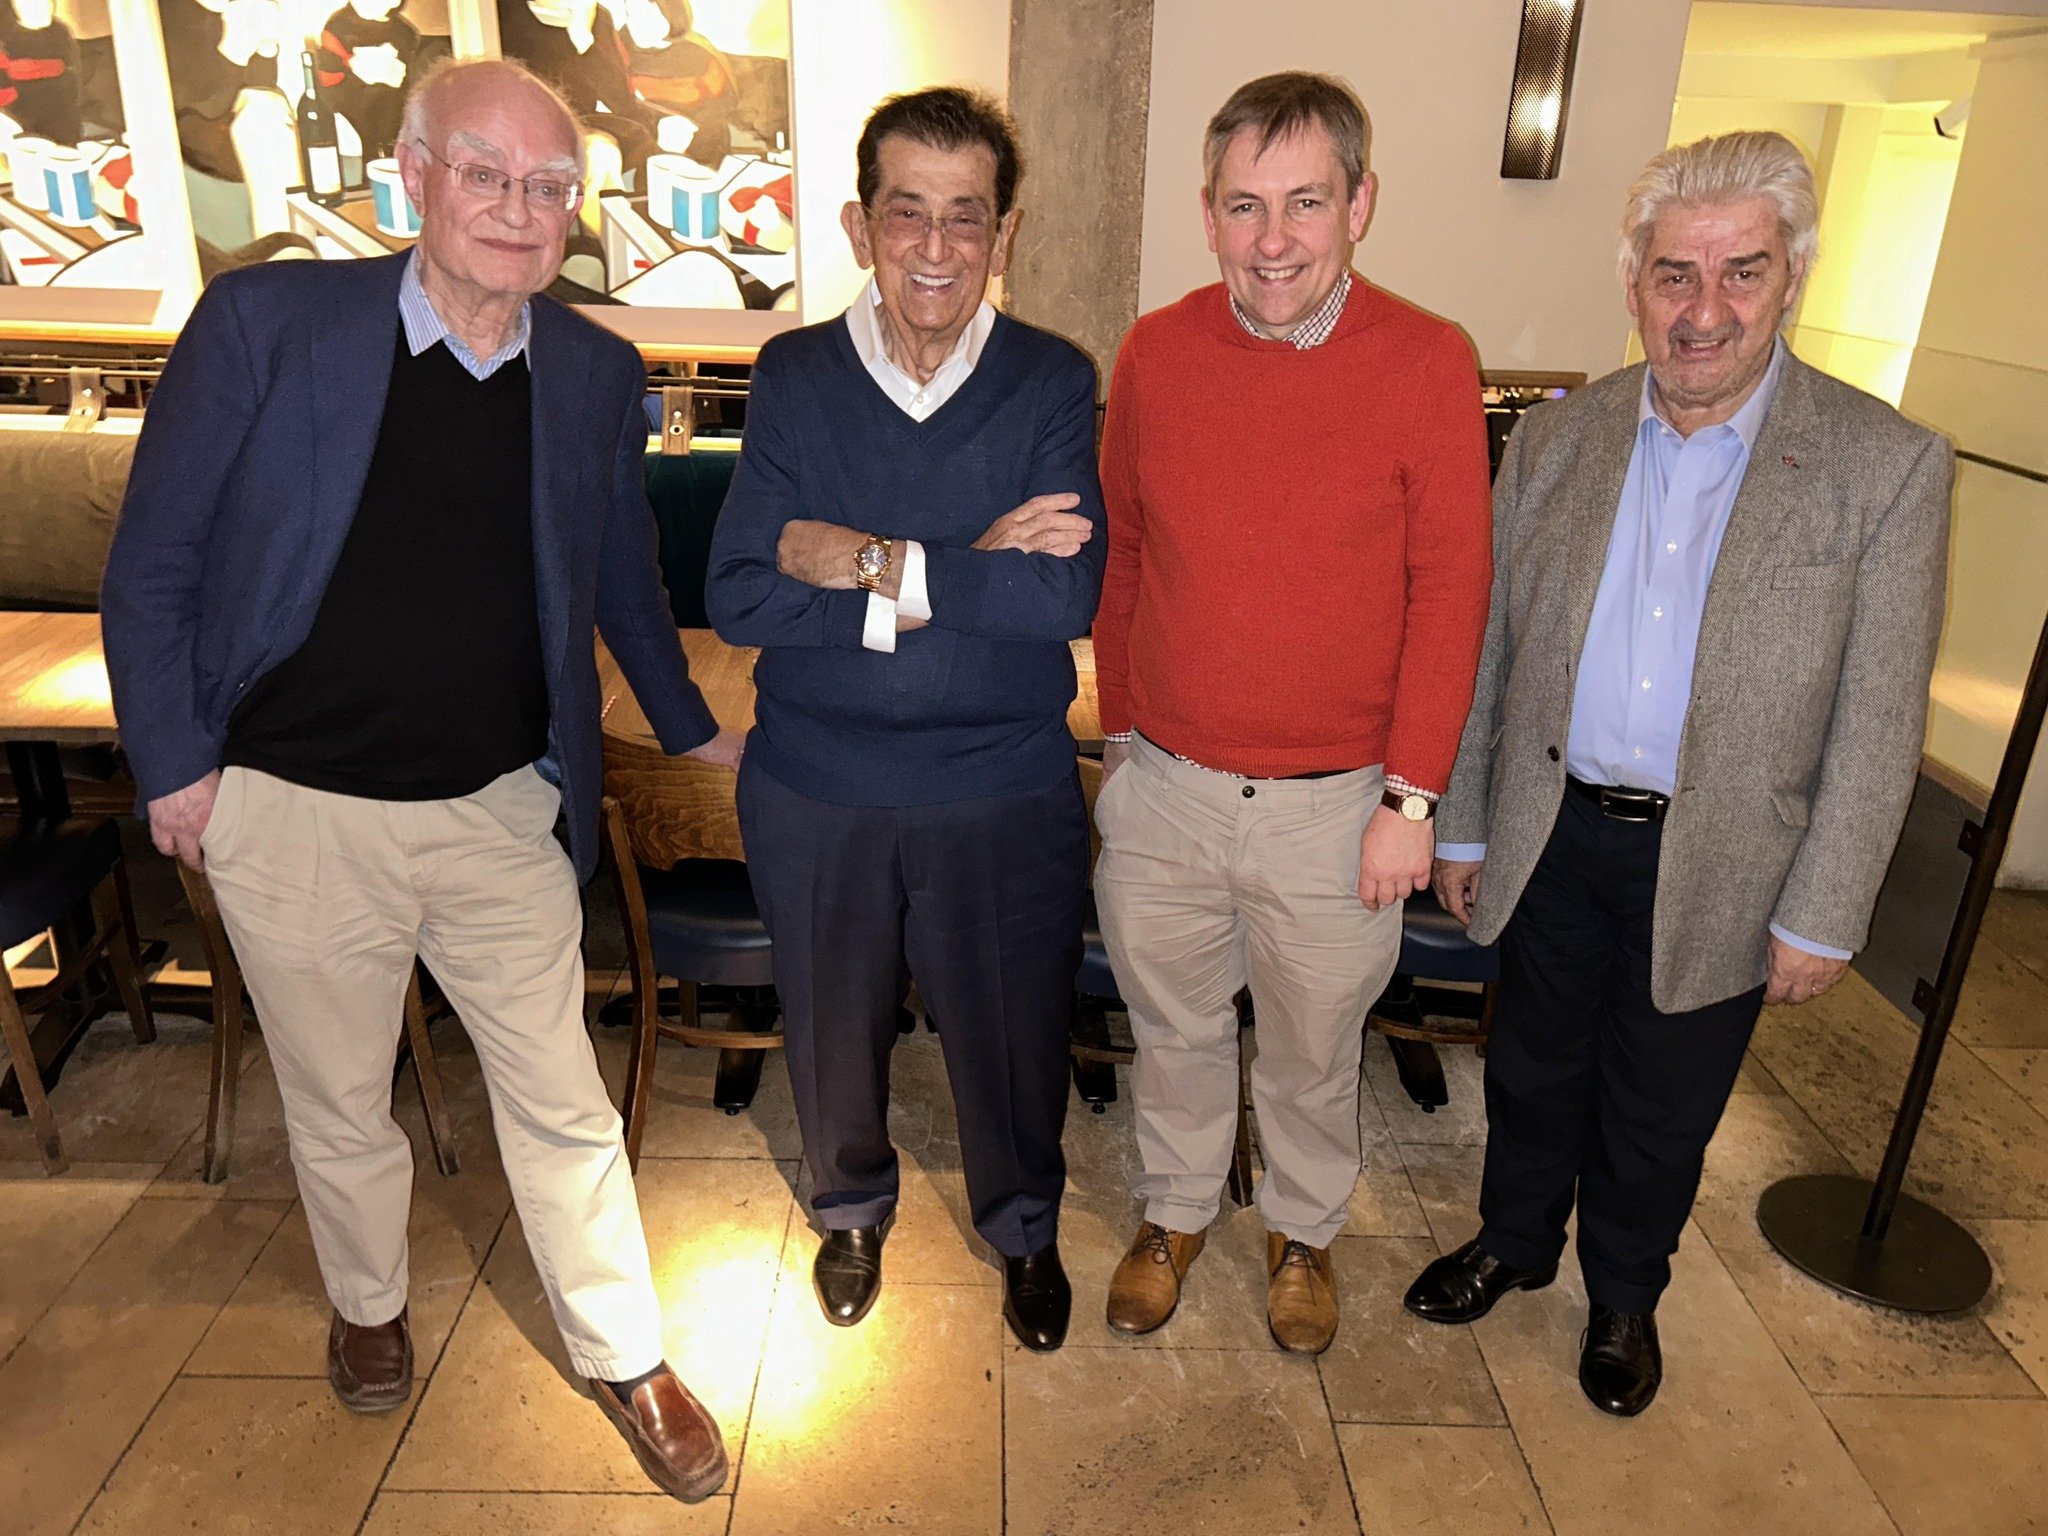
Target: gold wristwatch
<point>1411,807</point>
<point>871,563</point>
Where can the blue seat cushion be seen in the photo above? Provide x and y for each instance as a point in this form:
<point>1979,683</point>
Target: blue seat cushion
<point>1095,978</point>
<point>46,870</point>
<point>1434,946</point>
<point>703,925</point>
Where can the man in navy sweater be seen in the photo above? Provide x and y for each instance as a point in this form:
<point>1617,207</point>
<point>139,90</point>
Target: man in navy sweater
<point>912,538</point>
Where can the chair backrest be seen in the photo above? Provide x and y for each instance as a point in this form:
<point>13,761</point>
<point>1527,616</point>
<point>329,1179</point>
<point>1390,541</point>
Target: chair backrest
<point>686,492</point>
<point>675,808</point>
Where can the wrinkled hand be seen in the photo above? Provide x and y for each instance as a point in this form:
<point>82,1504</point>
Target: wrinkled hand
<point>819,554</point>
<point>178,820</point>
<point>1457,886</point>
<point>1799,977</point>
<point>1393,858</point>
<point>1114,755</point>
<point>722,750</point>
<point>1044,525</point>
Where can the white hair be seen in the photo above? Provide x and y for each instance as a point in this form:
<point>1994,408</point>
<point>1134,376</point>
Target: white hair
<point>419,123</point>
<point>1720,170</point>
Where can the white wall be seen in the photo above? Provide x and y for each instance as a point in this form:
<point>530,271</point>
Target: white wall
<point>1527,267</point>
<point>848,55</point>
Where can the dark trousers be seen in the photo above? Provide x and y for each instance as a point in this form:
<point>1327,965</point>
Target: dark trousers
<point>1590,1089</point>
<point>980,900</point>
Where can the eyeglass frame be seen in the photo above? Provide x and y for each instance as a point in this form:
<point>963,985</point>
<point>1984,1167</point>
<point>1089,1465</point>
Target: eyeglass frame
<point>573,191</point>
<point>976,238</point>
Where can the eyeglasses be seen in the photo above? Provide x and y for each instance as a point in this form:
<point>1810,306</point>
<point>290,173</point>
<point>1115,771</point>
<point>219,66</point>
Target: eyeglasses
<point>546,193</point>
<point>903,224</point>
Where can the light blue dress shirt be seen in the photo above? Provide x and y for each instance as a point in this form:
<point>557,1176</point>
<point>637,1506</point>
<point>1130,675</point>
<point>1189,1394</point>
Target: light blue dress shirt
<point>424,327</point>
<point>1635,673</point>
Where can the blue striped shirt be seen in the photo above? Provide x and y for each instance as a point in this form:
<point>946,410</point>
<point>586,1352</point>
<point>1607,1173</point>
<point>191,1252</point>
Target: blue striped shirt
<point>424,327</point>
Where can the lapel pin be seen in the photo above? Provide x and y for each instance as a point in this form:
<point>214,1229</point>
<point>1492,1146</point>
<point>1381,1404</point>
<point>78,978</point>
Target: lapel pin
<point>1790,462</point>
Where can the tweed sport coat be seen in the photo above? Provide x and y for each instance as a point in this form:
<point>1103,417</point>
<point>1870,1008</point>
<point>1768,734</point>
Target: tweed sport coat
<point>1809,696</point>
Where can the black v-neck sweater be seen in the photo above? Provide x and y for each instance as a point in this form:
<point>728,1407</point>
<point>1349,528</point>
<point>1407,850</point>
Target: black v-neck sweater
<point>975,704</point>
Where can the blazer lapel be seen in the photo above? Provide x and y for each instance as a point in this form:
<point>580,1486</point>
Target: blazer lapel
<point>1779,473</point>
<point>354,336</point>
<point>1592,488</point>
<point>555,365</point>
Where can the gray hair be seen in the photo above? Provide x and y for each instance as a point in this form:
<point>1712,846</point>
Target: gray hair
<point>419,122</point>
<point>1719,170</point>
<point>1279,106</point>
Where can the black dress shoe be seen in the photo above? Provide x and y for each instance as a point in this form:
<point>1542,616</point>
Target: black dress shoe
<point>1462,1287</point>
<point>847,1273</point>
<point>1037,1299</point>
<point>1620,1365</point>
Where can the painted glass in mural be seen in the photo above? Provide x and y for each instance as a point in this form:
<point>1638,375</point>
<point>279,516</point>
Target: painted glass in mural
<point>686,107</point>
<point>68,215</point>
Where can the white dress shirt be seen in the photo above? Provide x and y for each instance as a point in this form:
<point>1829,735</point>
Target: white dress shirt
<point>917,401</point>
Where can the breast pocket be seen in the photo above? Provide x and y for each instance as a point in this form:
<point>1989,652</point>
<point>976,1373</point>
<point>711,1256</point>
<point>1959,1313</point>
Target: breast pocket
<point>1808,578</point>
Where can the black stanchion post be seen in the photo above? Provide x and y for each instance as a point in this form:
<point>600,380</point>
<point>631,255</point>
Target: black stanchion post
<point>1870,1239</point>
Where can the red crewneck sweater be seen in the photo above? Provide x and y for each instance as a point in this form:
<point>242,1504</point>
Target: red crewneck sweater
<point>1299,541</point>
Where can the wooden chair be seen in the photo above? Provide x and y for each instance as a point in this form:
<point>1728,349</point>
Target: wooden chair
<point>230,1015</point>
<point>1095,1053</point>
<point>689,914</point>
<point>46,871</point>
<point>1417,1013</point>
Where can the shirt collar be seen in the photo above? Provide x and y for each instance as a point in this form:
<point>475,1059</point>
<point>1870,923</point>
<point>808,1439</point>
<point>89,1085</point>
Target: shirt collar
<point>866,331</point>
<point>424,327</point>
<point>1745,423</point>
<point>1313,331</point>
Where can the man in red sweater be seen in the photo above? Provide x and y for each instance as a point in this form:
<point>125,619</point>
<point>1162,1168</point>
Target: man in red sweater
<point>1294,465</point>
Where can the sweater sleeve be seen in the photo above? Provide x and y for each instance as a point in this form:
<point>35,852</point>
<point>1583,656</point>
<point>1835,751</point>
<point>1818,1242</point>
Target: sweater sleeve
<point>1450,566</point>
<point>1006,594</point>
<point>748,599</point>
<point>1126,515</point>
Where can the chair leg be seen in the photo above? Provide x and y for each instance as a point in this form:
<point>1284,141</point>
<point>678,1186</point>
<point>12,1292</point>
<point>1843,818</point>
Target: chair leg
<point>124,958</point>
<point>424,1067</point>
<point>1489,995</point>
<point>225,1077</point>
<point>739,1072</point>
<point>1240,1181</point>
<point>40,1117</point>
<point>640,1059</point>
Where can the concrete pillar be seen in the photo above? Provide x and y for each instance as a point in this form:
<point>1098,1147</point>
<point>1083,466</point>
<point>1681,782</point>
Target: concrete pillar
<point>1080,90</point>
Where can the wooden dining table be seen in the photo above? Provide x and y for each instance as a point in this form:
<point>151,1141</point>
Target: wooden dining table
<point>53,694</point>
<point>725,674</point>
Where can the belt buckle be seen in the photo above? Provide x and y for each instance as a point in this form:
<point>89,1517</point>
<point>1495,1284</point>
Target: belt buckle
<point>1635,805</point>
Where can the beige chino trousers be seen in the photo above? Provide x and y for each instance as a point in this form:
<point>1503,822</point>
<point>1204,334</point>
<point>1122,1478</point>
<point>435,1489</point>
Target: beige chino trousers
<point>327,899</point>
<point>1207,883</point>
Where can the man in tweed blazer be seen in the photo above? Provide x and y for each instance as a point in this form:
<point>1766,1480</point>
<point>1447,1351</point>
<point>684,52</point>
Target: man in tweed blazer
<point>1718,585</point>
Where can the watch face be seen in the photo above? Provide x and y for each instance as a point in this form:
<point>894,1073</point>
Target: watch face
<point>1414,807</point>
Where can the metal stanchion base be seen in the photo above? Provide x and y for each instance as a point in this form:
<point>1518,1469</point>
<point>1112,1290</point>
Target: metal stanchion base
<point>1926,1262</point>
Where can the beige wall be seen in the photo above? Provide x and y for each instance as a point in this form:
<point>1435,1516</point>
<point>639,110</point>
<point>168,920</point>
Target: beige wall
<point>848,55</point>
<point>1526,267</point>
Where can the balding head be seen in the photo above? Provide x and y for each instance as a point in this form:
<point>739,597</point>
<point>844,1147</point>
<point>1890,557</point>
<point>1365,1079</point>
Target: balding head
<point>453,96</point>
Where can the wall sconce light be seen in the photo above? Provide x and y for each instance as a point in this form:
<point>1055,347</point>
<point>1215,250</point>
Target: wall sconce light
<point>1544,57</point>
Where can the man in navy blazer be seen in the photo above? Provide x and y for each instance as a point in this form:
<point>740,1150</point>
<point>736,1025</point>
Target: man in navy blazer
<point>375,512</point>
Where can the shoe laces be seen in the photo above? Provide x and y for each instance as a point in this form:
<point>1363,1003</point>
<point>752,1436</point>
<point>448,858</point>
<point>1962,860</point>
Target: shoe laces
<point>1155,1242</point>
<point>1298,1255</point>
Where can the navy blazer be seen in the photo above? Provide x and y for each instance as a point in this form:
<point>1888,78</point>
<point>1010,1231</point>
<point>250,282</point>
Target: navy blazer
<point>246,478</point>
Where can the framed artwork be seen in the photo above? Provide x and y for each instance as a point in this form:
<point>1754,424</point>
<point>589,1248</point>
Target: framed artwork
<point>92,221</point>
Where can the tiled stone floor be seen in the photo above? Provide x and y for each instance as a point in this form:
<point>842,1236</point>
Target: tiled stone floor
<point>161,1340</point>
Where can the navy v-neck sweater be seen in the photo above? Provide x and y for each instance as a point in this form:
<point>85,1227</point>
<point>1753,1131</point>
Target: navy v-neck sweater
<point>974,704</point>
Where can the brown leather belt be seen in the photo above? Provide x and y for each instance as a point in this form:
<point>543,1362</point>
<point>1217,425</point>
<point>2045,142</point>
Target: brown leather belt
<point>1622,804</point>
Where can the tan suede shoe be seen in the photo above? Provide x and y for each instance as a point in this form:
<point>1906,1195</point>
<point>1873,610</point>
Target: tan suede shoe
<point>1301,1304</point>
<point>1146,1286</point>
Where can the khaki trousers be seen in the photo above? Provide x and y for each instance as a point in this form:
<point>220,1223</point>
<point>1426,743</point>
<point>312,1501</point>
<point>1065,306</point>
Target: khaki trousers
<point>1207,883</point>
<point>327,899</point>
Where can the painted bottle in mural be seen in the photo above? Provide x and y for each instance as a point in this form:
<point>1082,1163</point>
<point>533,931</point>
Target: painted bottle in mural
<point>319,149</point>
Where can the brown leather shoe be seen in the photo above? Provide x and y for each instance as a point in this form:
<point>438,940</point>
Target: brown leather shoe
<point>370,1368</point>
<point>673,1436</point>
<point>1146,1286</point>
<point>1301,1304</point>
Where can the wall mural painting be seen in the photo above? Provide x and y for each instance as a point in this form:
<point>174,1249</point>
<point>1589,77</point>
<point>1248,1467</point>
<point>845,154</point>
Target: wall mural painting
<point>687,111</point>
<point>67,215</point>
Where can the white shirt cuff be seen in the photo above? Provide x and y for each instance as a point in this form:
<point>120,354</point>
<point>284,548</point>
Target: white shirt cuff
<point>878,631</point>
<point>1811,946</point>
<point>914,601</point>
